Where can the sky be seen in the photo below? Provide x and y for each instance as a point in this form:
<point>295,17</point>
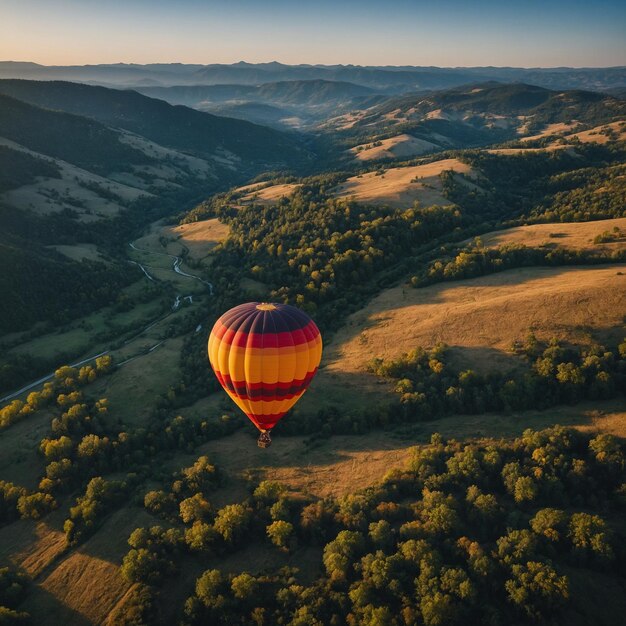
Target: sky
<point>447,33</point>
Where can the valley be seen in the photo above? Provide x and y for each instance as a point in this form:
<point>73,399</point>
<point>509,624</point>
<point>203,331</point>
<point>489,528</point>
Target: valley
<point>461,245</point>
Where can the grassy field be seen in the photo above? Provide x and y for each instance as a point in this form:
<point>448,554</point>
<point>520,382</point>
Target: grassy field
<point>400,146</point>
<point>558,128</point>
<point>80,252</point>
<point>80,336</point>
<point>478,318</point>
<point>574,235</point>
<point>401,186</point>
<point>199,238</point>
<point>259,193</point>
<point>600,134</point>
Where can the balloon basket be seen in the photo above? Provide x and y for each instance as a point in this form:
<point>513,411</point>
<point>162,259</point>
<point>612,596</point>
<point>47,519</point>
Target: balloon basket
<point>264,440</point>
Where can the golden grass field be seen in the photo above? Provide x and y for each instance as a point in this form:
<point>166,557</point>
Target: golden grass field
<point>264,194</point>
<point>600,134</point>
<point>401,186</point>
<point>392,148</point>
<point>199,238</point>
<point>558,128</point>
<point>573,235</point>
<point>481,317</point>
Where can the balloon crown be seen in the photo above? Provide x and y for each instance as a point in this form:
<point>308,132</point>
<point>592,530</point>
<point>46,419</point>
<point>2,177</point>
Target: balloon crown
<point>266,306</point>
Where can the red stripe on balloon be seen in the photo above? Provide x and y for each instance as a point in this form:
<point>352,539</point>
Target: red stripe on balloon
<point>266,340</point>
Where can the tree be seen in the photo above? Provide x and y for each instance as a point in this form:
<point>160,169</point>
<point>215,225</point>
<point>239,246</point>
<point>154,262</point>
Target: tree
<point>232,522</point>
<point>269,491</point>
<point>590,537</point>
<point>210,589</point>
<point>194,509</point>
<point>36,505</point>
<point>341,553</point>
<point>381,534</point>
<point>525,489</point>
<point>158,502</point>
<point>244,586</point>
<point>280,533</point>
<point>201,537</point>
<point>57,449</point>
<point>537,589</point>
<point>550,523</point>
<point>517,546</point>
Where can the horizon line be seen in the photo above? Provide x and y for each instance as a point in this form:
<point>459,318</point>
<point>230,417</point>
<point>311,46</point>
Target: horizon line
<point>441,67</point>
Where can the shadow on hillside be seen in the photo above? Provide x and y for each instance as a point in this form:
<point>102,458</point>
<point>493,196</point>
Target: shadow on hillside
<point>46,609</point>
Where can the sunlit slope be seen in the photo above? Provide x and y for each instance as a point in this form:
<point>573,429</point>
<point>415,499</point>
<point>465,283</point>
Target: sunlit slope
<point>478,318</point>
<point>402,186</point>
<point>573,235</point>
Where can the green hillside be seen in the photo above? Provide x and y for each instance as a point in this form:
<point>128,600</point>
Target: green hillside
<point>83,142</point>
<point>177,127</point>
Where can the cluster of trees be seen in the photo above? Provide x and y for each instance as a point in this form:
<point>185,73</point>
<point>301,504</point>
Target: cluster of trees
<point>66,379</point>
<point>544,186</point>
<point>204,530</point>
<point>13,587</point>
<point>467,533</point>
<point>84,443</point>
<point>187,496</point>
<point>19,168</point>
<point>610,236</point>
<point>477,260</point>
<point>100,497</point>
<point>330,263</point>
<point>429,386</point>
<point>587,194</point>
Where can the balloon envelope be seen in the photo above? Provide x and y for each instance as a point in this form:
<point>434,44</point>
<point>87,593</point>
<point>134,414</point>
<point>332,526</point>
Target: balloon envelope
<point>265,355</point>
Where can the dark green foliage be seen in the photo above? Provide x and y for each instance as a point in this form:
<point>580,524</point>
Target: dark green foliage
<point>327,255</point>
<point>544,186</point>
<point>177,127</point>
<point>445,542</point>
<point>83,142</point>
<point>476,260</point>
<point>100,497</point>
<point>19,168</point>
<point>429,387</point>
<point>33,277</point>
<point>13,588</point>
<point>152,555</point>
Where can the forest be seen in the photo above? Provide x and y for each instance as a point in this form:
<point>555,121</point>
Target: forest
<point>467,533</point>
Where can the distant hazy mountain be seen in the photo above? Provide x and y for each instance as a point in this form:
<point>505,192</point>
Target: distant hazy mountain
<point>296,103</point>
<point>391,79</point>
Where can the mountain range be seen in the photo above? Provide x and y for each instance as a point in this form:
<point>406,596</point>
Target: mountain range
<point>391,79</point>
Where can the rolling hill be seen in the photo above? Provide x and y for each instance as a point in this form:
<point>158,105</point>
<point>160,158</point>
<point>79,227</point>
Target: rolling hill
<point>286,104</point>
<point>177,127</point>
<point>472,115</point>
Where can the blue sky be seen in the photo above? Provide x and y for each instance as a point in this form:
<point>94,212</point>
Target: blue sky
<point>524,33</point>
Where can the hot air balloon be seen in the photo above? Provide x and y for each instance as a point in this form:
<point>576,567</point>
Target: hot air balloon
<point>265,356</point>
